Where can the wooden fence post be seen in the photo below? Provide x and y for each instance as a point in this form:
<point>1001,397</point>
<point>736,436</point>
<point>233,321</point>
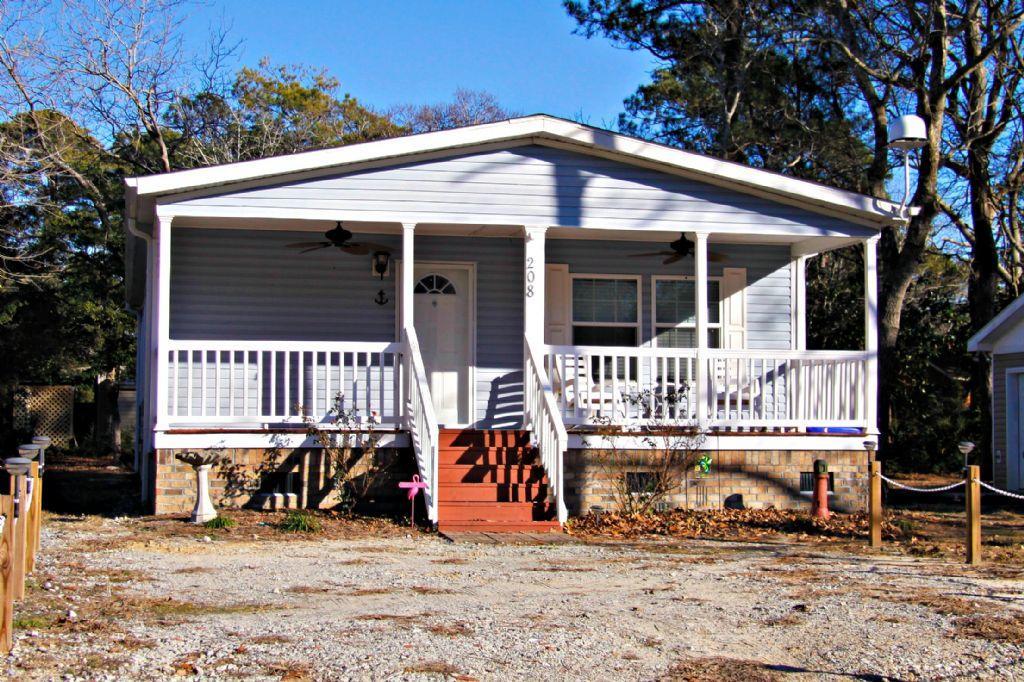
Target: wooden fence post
<point>973,496</point>
<point>875,503</point>
<point>7,573</point>
<point>32,530</point>
<point>20,538</point>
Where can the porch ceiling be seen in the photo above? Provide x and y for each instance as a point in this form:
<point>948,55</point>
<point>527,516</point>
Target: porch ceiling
<point>801,244</point>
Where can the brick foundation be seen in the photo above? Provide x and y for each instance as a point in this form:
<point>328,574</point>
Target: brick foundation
<point>248,477</point>
<point>762,478</point>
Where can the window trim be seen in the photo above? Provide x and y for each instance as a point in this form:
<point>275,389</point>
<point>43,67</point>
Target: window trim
<point>655,326</point>
<point>638,325</point>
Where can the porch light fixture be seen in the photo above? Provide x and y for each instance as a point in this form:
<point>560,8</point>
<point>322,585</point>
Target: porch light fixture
<point>381,262</point>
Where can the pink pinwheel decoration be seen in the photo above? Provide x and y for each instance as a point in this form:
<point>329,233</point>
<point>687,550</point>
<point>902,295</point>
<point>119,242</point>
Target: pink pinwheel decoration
<point>414,487</point>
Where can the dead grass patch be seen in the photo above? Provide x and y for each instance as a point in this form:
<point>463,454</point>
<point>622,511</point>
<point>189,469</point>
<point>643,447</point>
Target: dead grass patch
<point>307,589</point>
<point>396,618</point>
<point>270,639</point>
<point>786,620</point>
<point>194,570</point>
<point>426,589</point>
<point>450,560</point>
<point>132,643</point>
<point>456,629</point>
<point>992,628</point>
<point>289,670</point>
<point>435,667</point>
<point>719,669</point>
<point>370,591</point>
<point>560,568</point>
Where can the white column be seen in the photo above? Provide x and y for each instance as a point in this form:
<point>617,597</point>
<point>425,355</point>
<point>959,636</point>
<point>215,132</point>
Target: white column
<point>162,312</point>
<point>800,303</point>
<point>871,334</point>
<point>533,284</point>
<point>700,274</point>
<point>408,278</point>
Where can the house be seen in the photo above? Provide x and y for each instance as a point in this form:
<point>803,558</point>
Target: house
<point>495,286</point>
<point>1003,339</point>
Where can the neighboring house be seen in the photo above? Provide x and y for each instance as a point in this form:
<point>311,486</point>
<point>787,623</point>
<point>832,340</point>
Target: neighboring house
<point>495,280</point>
<point>1003,339</point>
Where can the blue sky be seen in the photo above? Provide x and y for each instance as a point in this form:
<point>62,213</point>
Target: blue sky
<point>388,52</point>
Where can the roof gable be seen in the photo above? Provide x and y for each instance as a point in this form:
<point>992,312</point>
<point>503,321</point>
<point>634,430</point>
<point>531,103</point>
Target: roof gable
<point>539,130</point>
<point>522,185</point>
<point>1009,319</point>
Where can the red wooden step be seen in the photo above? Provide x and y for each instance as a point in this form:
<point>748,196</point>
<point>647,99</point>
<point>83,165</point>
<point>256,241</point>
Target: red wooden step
<point>492,492</point>
<point>478,455</point>
<point>523,512</point>
<point>468,473</point>
<point>481,438</point>
<point>499,527</point>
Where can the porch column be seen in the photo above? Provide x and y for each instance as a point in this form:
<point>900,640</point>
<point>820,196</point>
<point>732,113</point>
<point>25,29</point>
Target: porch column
<point>800,303</point>
<point>162,314</point>
<point>871,334</point>
<point>408,278</point>
<point>533,284</point>
<point>700,274</point>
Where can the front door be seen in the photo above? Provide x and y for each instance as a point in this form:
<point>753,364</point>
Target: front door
<point>442,314</point>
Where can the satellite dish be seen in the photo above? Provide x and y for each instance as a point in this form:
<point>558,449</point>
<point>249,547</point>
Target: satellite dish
<point>907,132</point>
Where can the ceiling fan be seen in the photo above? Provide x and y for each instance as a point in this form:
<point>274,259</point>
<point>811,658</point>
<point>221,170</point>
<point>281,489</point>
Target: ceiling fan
<point>680,249</point>
<point>341,238</point>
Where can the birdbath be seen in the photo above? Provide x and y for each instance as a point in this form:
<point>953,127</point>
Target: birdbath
<point>204,510</point>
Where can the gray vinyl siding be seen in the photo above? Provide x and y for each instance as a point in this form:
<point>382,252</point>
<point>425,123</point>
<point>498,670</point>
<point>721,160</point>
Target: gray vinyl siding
<point>529,185</point>
<point>1000,363</point>
<point>247,285</point>
<point>768,279</point>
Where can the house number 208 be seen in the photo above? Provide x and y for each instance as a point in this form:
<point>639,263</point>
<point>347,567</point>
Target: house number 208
<point>530,276</point>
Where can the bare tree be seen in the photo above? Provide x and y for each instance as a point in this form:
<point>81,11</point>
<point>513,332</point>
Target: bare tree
<point>467,107</point>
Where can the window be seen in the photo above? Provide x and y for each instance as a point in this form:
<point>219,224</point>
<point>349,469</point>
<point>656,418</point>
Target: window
<point>675,324</point>
<point>605,310</point>
<point>807,482</point>
<point>434,284</point>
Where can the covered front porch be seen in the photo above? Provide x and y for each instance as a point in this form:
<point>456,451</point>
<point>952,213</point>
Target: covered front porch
<point>494,327</point>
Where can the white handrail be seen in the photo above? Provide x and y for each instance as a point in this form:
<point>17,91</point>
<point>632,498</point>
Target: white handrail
<point>542,417</point>
<point>420,419</point>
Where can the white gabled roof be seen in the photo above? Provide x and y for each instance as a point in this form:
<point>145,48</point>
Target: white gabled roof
<point>987,336</point>
<point>537,129</point>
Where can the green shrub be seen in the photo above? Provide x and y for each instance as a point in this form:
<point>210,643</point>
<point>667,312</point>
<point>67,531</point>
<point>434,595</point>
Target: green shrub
<point>220,522</point>
<point>300,522</point>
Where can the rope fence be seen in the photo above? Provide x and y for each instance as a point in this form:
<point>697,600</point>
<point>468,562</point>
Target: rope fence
<point>904,486</point>
<point>973,486</point>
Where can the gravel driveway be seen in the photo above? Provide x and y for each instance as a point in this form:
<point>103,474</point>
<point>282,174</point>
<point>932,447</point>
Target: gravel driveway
<point>106,604</point>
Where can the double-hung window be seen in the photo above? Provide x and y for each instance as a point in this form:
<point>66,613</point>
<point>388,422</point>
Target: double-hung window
<point>675,324</point>
<point>605,310</point>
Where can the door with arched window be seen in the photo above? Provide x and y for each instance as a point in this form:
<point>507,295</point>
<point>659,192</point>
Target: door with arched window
<point>443,317</point>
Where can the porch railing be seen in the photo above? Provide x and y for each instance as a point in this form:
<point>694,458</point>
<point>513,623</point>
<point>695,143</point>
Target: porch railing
<point>279,381</point>
<point>420,420</point>
<point>543,418</point>
<point>742,388</point>
<point>599,383</point>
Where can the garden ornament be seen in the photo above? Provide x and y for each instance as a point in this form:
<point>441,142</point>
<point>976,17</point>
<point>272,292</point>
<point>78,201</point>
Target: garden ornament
<point>414,487</point>
<point>204,510</point>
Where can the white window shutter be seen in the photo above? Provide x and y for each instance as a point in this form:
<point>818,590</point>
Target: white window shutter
<point>557,306</point>
<point>734,307</point>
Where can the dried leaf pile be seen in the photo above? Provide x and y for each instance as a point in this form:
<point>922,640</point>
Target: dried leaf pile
<point>726,524</point>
